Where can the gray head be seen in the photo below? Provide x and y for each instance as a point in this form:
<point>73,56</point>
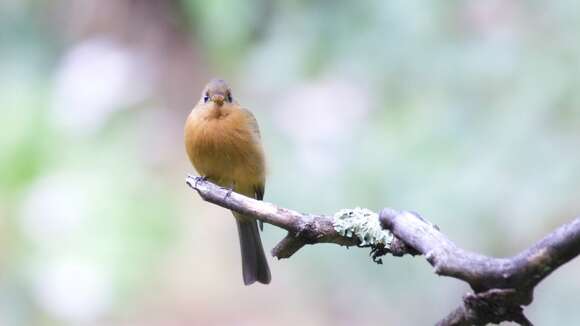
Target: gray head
<point>217,91</point>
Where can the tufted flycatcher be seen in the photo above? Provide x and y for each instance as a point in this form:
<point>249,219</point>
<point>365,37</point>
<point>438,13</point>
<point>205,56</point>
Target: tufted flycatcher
<point>222,140</point>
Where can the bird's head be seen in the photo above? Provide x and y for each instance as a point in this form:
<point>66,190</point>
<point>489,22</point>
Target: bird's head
<point>218,92</point>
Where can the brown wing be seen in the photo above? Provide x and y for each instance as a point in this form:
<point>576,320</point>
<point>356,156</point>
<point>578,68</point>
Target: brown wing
<point>253,122</point>
<point>259,188</point>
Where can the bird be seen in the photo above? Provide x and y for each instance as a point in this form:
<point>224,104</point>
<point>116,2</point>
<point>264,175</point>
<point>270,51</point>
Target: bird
<point>223,143</point>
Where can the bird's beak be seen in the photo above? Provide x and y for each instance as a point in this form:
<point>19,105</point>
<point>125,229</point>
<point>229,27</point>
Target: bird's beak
<point>218,99</point>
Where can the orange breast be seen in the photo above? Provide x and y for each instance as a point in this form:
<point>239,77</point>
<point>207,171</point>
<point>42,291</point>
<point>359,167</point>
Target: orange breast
<point>225,148</point>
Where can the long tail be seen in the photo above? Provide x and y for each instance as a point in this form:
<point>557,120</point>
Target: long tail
<point>254,263</point>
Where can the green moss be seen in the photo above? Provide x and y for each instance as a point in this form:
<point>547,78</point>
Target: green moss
<point>363,224</point>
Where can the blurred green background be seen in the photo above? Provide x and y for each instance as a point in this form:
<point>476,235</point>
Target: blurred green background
<point>468,112</point>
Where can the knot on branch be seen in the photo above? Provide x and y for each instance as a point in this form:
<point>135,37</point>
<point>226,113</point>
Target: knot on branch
<point>309,231</point>
<point>494,306</point>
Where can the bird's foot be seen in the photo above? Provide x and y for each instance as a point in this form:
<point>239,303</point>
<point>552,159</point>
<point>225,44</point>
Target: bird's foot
<point>229,192</point>
<point>200,179</point>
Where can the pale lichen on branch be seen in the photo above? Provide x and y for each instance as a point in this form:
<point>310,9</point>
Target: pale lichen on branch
<point>363,224</point>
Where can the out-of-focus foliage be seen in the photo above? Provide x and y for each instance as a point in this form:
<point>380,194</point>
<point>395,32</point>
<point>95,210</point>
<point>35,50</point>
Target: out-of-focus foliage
<point>467,112</point>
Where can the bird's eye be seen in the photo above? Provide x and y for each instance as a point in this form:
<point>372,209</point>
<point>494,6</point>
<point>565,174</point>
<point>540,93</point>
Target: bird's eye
<point>206,98</point>
<point>229,97</point>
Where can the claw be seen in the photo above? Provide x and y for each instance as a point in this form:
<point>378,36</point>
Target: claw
<point>200,179</point>
<point>229,193</point>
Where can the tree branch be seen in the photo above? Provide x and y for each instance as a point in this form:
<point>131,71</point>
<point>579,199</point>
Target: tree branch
<point>302,229</point>
<point>504,284</point>
<point>501,285</point>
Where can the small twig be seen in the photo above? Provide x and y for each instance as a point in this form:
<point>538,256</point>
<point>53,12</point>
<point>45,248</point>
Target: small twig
<point>288,246</point>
